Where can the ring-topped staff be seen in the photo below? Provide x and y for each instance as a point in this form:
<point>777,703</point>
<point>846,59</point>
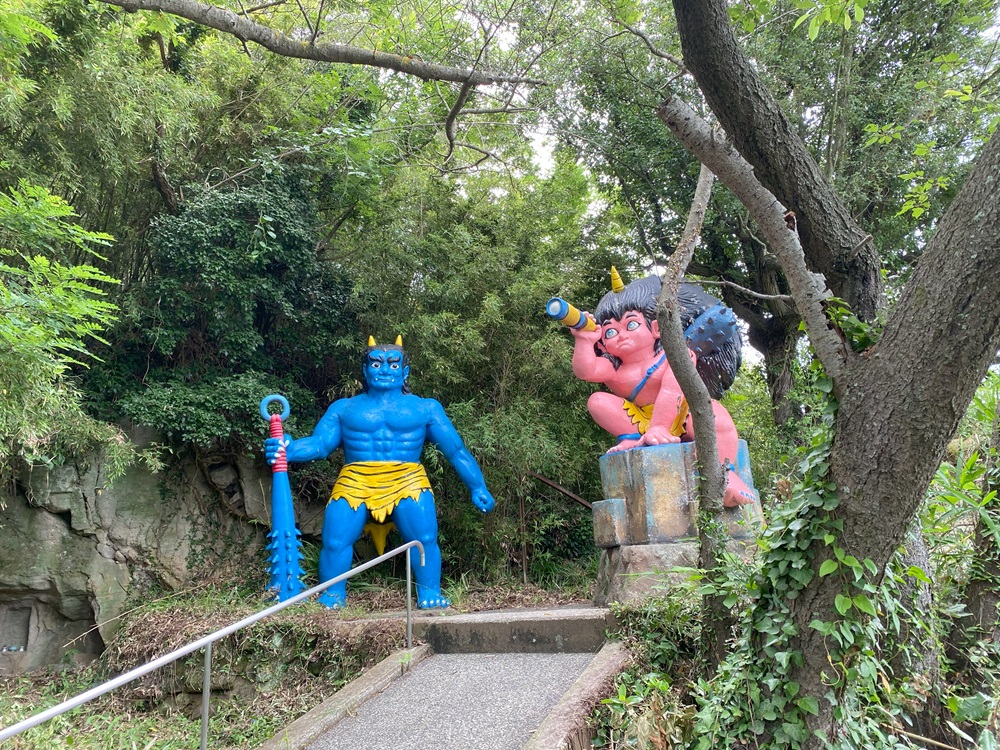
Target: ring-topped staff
<point>284,548</point>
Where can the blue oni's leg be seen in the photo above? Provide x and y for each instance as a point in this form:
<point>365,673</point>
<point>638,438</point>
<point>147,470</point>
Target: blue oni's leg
<point>417,521</point>
<point>342,527</point>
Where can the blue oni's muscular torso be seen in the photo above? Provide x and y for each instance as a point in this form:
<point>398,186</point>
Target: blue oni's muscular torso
<point>382,432</point>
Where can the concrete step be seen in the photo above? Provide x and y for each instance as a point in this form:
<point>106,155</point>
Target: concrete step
<point>558,630</point>
<point>416,700</point>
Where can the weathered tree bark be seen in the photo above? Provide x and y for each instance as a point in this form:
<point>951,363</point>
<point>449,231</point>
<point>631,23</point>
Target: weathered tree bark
<point>832,242</point>
<point>903,402</point>
<point>246,30</point>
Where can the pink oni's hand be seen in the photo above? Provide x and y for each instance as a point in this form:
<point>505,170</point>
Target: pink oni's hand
<point>591,336</point>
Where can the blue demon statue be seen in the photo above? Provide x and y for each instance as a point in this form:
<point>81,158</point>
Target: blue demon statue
<point>382,431</point>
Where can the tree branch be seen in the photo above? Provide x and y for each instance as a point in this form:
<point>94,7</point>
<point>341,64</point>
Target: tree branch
<point>757,126</point>
<point>712,479</point>
<point>808,289</point>
<point>711,474</point>
<point>750,292</point>
<point>246,30</point>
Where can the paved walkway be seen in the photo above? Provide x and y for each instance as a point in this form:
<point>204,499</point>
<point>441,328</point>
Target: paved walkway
<point>460,702</point>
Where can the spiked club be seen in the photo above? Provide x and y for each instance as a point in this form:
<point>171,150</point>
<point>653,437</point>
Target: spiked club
<point>284,549</point>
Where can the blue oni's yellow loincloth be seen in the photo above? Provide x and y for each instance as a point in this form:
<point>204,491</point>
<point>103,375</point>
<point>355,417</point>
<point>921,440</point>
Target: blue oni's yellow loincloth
<point>640,415</point>
<point>380,485</point>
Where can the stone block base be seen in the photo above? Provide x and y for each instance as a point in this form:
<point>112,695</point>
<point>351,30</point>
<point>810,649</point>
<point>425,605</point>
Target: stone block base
<point>635,572</point>
<point>651,497</point>
<point>639,571</point>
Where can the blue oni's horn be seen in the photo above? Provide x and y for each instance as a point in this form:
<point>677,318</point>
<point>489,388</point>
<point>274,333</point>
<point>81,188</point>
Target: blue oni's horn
<point>284,549</point>
<point>563,312</point>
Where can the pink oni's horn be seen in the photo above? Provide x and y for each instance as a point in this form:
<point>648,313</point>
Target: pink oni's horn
<point>284,548</point>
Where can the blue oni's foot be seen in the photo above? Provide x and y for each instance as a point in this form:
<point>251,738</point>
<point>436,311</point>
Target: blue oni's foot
<point>433,601</point>
<point>331,600</point>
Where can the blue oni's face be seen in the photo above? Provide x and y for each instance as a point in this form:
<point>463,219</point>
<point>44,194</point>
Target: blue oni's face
<point>384,371</point>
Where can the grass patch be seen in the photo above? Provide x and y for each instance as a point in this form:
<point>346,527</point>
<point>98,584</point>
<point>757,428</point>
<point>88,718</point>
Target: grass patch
<point>263,677</point>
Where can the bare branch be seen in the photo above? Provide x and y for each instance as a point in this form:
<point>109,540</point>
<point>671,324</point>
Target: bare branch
<point>450,121</point>
<point>319,21</point>
<point>264,6</point>
<point>497,111</point>
<point>713,479</point>
<point>750,292</point>
<point>305,17</point>
<point>808,289</point>
<point>653,49</point>
<point>246,30</point>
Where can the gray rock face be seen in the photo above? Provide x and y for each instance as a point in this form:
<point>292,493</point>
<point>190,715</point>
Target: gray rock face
<point>73,547</point>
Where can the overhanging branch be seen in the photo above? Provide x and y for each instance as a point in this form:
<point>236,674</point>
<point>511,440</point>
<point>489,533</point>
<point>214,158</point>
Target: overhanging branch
<point>808,289</point>
<point>246,30</point>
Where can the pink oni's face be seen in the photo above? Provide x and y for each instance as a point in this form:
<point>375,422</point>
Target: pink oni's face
<point>631,337</point>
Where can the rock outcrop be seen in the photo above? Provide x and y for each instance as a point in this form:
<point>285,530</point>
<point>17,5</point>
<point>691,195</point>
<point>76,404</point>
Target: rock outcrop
<point>74,547</point>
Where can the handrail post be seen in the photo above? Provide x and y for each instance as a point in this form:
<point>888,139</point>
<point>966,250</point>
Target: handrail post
<point>409,602</point>
<point>206,694</point>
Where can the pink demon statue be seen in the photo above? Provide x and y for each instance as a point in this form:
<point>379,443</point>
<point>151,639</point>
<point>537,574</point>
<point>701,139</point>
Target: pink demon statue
<point>619,345</point>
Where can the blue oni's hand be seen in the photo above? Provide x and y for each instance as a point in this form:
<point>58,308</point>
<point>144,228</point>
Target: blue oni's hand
<point>273,446</point>
<point>483,500</point>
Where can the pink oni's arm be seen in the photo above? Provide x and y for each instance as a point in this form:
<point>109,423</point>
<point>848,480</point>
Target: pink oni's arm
<point>587,364</point>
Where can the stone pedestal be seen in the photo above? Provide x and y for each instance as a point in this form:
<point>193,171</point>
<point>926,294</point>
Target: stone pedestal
<point>648,522</point>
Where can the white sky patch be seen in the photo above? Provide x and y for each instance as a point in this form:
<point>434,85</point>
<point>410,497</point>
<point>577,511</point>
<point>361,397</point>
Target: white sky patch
<point>543,145</point>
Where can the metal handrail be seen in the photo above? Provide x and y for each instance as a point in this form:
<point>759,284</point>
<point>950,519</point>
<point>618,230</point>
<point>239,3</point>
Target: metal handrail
<point>206,643</point>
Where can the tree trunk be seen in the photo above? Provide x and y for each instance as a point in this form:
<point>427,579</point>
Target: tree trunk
<point>832,242</point>
<point>900,402</point>
<point>904,399</point>
<point>777,342</point>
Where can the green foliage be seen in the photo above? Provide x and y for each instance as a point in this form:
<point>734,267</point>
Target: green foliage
<point>218,410</point>
<point>51,311</point>
<point>239,308</point>
<point>49,308</point>
<point>858,334</point>
<point>752,698</point>
<point>18,33</point>
<point>821,12</point>
<point>662,633</point>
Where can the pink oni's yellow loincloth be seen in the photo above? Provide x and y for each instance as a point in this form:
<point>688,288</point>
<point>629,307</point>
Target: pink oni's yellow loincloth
<point>380,485</point>
<point>640,415</point>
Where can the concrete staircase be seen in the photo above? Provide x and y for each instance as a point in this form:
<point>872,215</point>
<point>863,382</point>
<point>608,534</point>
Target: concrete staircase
<point>508,680</point>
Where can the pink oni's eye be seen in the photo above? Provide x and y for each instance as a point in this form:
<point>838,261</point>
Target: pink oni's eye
<point>632,325</point>
<point>611,333</point>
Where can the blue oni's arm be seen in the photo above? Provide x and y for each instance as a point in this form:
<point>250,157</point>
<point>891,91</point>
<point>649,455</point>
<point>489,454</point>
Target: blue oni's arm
<point>324,440</point>
<point>443,434</point>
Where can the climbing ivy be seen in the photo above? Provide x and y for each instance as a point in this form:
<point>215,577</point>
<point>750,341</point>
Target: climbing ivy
<point>753,697</point>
